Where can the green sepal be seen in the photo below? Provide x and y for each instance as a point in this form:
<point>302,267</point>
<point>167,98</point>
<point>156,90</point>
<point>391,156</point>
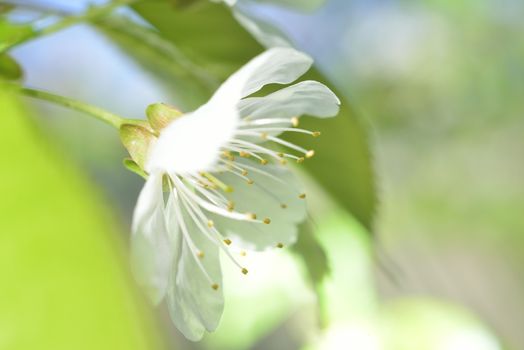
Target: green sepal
<point>133,167</point>
<point>136,139</point>
<point>9,68</point>
<point>160,115</point>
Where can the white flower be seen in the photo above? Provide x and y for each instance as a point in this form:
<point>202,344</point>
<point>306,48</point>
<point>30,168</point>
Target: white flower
<point>216,181</point>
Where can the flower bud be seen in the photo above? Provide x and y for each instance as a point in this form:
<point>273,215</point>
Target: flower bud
<point>161,114</point>
<point>136,139</point>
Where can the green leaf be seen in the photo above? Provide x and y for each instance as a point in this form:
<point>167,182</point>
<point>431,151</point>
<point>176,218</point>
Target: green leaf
<point>9,68</point>
<point>208,36</point>
<point>311,253</point>
<point>188,83</point>
<point>304,5</point>
<point>65,282</point>
<point>11,33</point>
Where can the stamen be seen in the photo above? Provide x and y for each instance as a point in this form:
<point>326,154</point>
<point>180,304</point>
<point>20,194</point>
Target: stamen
<point>264,131</point>
<point>210,223</point>
<point>283,206</point>
<point>214,286</point>
<point>267,221</point>
<point>302,196</point>
<point>193,210</point>
<point>280,245</point>
<point>200,254</point>
<point>209,206</point>
<point>227,241</point>
<point>243,253</point>
<point>185,234</point>
<point>310,153</point>
<point>244,271</point>
<point>264,121</point>
<point>217,182</point>
<point>251,216</point>
<point>294,121</point>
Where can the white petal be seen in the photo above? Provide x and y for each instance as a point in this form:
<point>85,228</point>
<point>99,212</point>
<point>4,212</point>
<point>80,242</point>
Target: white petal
<point>265,198</point>
<point>194,306</point>
<point>307,97</point>
<point>192,143</point>
<point>279,65</point>
<point>151,249</point>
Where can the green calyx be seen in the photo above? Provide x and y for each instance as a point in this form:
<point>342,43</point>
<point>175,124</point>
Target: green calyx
<point>137,139</point>
<point>137,136</point>
<point>160,115</point>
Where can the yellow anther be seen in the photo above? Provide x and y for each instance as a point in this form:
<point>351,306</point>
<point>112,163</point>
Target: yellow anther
<point>267,221</point>
<point>283,161</point>
<point>210,223</point>
<point>294,121</point>
<point>243,154</point>
<point>316,133</point>
<point>283,206</point>
<point>251,216</point>
<point>244,172</point>
<point>227,241</point>
<point>230,206</point>
<point>310,153</point>
<point>243,253</point>
<point>263,161</point>
<point>302,196</point>
<point>244,271</point>
<point>300,160</point>
<point>214,286</point>
<point>217,183</point>
<point>280,245</point>
<point>200,254</point>
<point>250,182</point>
<point>280,154</point>
<point>263,135</point>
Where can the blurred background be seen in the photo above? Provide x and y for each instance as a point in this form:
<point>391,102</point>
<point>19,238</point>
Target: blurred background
<point>436,85</point>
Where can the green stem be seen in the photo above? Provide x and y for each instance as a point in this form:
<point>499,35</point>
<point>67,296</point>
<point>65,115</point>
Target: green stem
<point>98,113</point>
<point>92,14</point>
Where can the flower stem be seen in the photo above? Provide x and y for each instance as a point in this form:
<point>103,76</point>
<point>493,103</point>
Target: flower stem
<point>92,14</point>
<point>98,113</point>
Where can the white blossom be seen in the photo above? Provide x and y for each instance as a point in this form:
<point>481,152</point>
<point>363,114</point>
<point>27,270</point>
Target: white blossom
<point>217,179</point>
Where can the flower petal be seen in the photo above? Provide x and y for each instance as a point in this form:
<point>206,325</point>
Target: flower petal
<point>275,197</point>
<point>279,65</point>
<point>307,97</point>
<point>194,306</point>
<point>151,249</point>
<point>192,142</point>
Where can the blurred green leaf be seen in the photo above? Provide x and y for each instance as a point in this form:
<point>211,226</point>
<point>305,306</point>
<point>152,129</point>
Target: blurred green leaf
<point>9,68</point>
<point>304,5</point>
<point>11,33</point>
<point>187,82</point>
<point>65,283</point>
<point>311,253</point>
<point>209,37</point>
